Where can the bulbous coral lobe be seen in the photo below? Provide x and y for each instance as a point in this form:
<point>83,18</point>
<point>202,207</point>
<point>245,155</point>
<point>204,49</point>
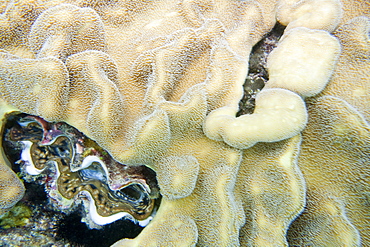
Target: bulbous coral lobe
<point>12,191</point>
<point>96,107</point>
<point>272,189</point>
<point>65,30</point>
<point>272,105</point>
<point>175,184</point>
<point>312,14</point>
<point>11,187</point>
<point>303,61</point>
<point>26,84</point>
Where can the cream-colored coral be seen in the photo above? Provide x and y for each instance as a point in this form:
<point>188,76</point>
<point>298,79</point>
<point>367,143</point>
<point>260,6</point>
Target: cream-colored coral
<point>272,189</point>
<point>31,88</point>
<point>351,80</point>
<point>303,61</point>
<point>336,146</point>
<point>175,184</point>
<point>159,83</point>
<point>65,30</point>
<point>11,188</point>
<point>313,14</point>
<point>272,106</point>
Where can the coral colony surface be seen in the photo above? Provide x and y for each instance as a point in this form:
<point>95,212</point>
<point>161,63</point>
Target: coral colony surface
<point>186,123</point>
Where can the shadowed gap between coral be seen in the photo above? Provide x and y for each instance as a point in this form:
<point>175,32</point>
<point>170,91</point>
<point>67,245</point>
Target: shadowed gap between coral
<point>257,74</point>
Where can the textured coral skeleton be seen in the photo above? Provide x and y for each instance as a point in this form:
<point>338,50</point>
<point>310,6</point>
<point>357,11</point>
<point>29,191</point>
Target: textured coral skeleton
<point>158,83</point>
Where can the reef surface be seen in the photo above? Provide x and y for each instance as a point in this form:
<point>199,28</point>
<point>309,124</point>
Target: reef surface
<point>205,123</point>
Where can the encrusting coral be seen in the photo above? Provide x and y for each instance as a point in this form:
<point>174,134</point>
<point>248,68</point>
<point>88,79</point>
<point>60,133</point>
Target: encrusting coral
<point>11,188</point>
<point>338,133</point>
<point>351,78</point>
<point>158,83</point>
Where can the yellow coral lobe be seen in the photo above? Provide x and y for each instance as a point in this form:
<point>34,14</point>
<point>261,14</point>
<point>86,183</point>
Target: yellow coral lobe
<point>351,79</point>
<point>272,106</point>
<point>177,176</point>
<point>30,89</point>
<point>347,150</point>
<point>313,14</point>
<point>11,188</point>
<point>183,232</point>
<point>304,71</point>
<point>267,218</point>
<point>50,34</point>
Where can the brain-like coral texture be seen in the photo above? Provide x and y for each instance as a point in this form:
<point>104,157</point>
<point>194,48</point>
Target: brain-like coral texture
<point>159,84</point>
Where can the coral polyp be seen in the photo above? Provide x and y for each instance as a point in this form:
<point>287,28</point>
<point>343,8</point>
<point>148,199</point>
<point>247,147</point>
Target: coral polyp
<point>74,169</point>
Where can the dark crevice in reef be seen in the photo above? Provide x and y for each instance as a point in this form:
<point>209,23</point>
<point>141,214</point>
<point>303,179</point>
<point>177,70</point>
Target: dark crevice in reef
<point>257,74</point>
<point>78,234</point>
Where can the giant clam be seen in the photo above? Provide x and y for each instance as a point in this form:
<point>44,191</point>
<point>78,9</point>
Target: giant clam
<point>75,169</point>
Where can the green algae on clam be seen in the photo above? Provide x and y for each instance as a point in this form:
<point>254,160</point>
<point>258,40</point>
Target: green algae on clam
<point>18,216</point>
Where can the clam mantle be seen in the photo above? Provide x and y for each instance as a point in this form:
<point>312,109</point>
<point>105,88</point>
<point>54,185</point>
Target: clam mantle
<point>158,83</point>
